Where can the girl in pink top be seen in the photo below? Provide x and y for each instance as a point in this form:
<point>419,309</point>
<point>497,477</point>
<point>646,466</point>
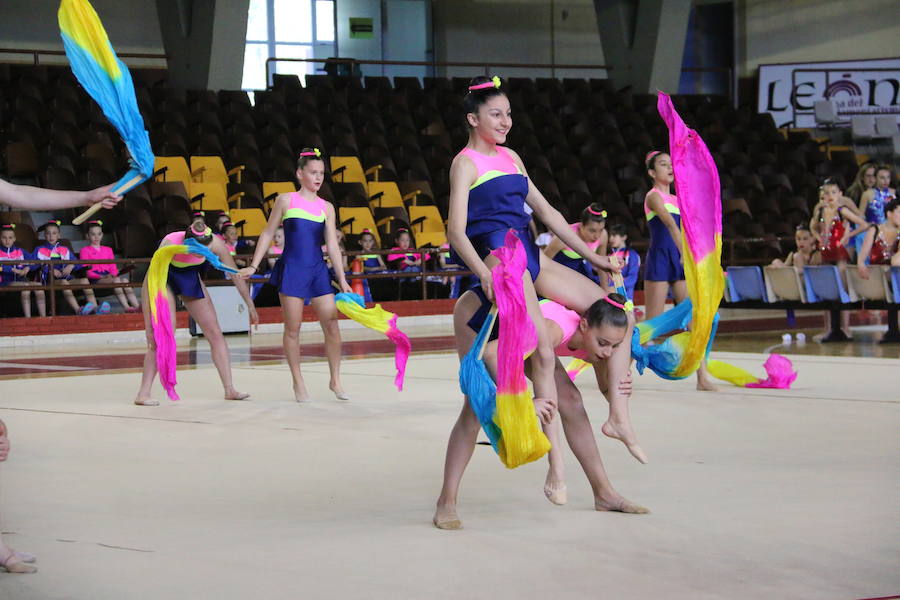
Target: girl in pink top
<point>106,273</point>
<point>401,260</point>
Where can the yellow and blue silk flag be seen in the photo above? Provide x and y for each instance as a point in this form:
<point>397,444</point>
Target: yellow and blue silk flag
<point>108,81</point>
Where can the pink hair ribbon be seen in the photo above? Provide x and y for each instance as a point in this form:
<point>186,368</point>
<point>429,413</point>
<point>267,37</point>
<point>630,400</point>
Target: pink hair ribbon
<point>493,83</point>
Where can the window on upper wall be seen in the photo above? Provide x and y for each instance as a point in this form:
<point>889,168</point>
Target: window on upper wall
<point>286,29</point>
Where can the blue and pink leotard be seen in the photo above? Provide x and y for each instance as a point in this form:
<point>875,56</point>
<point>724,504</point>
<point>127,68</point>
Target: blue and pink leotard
<point>301,271</point>
<point>496,205</point>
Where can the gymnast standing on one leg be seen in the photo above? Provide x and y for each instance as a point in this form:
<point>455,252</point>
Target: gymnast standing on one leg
<point>301,273</point>
<point>489,189</point>
<point>592,338</point>
<point>184,280</point>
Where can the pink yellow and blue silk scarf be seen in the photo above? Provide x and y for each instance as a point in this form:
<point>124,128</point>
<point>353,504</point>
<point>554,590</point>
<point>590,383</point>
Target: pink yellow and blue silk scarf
<point>382,321</point>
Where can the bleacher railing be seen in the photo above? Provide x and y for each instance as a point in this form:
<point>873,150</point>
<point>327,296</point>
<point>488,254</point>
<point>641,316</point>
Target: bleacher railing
<point>487,67</point>
<point>424,275</point>
<point>36,54</point>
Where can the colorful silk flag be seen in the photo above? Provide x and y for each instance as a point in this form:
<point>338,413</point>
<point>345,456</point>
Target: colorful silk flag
<point>108,81</point>
<point>697,189</point>
<point>382,321</point>
<point>521,439</point>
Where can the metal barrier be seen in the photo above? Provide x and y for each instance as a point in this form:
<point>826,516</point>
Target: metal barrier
<point>36,54</point>
<point>53,286</point>
<point>485,66</point>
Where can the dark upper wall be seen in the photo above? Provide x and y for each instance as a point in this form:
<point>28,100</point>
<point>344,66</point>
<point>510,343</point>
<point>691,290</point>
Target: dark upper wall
<point>132,26</point>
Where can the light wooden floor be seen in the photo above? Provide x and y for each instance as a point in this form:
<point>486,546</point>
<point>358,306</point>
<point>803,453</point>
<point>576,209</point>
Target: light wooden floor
<point>755,493</point>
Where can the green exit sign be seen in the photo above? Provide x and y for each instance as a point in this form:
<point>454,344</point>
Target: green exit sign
<point>361,29</point>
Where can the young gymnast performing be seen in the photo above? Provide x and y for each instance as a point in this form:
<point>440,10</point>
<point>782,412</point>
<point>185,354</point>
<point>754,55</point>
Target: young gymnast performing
<point>301,273</point>
<point>489,191</point>
<point>184,280</point>
<point>593,338</point>
<point>663,268</point>
<point>592,231</point>
<point>12,561</point>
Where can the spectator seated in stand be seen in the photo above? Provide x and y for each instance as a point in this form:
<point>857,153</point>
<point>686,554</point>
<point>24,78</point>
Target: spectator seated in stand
<point>64,275</point>
<point>13,273</point>
<point>108,273</point>
<point>806,253</point>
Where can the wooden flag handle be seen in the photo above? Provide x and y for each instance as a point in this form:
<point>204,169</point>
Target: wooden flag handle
<point>618,281</point>
<point>125,187</point>
<point>492,315</point>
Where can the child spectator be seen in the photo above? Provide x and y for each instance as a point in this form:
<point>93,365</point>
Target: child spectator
<point>806,252</point>
<point>401,260</point>
<point>880,244</point>
<point>628,257</point>
<point>372,263</point>
<point>865,180</point>
<point>829,224</point>
<point>875,199</point>
<point>51,249</point>
<point>108,273</point>
<point>12,273</point>
<point>277,247</point>
<point>229,234</point>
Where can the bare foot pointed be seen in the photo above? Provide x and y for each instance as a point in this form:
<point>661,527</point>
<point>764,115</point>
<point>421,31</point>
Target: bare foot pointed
<point>233,394</point>
<point>146,401</point>
<point>623,433</point>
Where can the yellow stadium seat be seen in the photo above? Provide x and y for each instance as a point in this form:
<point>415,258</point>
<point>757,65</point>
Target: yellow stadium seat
<point>385,194</point>
<point>347,169</point>
<point>431,238</point>
<point>426,219</point>
<point>254,217</point>
<point>171,168</point>
<point>206,169</point>
<point>361,219</point>
<point>208,196</point>
<point>271,189</point>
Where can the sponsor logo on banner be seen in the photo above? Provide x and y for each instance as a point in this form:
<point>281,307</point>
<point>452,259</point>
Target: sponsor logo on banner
<point>866,87</point>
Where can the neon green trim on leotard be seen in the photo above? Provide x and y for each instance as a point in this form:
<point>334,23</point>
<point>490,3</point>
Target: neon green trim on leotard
<point>670,208</point>
<point>299,213</point>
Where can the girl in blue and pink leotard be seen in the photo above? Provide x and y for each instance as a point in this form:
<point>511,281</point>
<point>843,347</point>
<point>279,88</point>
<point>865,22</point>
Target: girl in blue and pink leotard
<point>184,280</point>
<point>301,273</point>
<point>592,230</point>
<point>489,188</point>
<point>663,268</point>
